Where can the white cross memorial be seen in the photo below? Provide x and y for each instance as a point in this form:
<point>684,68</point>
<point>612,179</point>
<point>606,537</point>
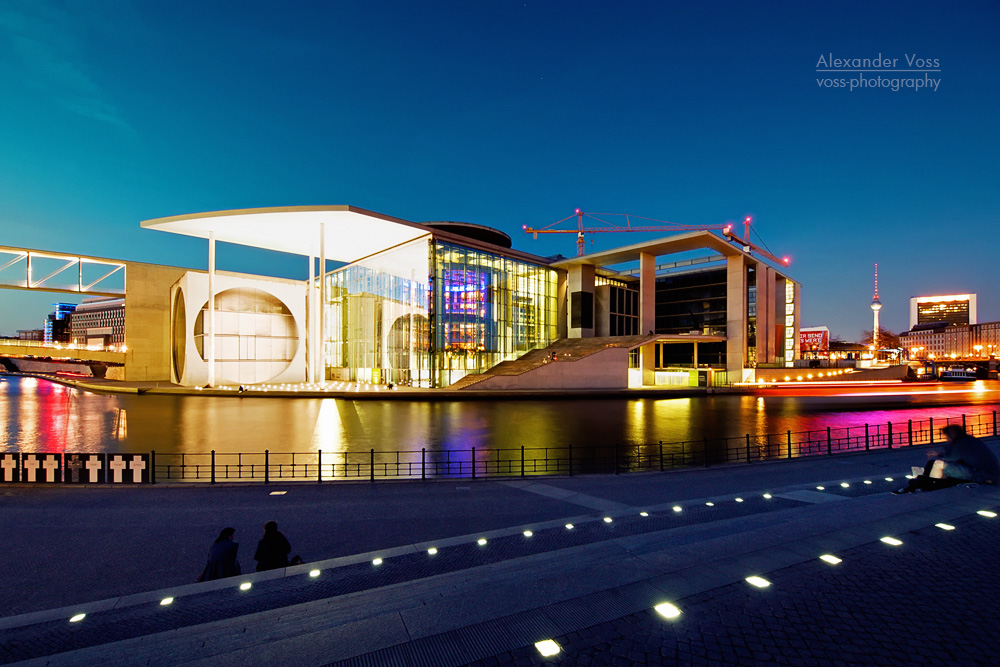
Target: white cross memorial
<point>94,466</point>
<point>9,465</point>
<point>30,467</point>
<point>50,465</point>
<point>137,465</point>
<point>117,466</point>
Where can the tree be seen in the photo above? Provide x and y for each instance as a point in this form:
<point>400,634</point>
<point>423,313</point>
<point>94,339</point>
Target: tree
<point>886,339</point>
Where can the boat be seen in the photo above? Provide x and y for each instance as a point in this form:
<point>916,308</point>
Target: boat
<point>958,375</point>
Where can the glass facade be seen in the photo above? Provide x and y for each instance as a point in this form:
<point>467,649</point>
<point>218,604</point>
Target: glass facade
<point>691,302</point>
<point>428,313</point>
<point>376,314</point>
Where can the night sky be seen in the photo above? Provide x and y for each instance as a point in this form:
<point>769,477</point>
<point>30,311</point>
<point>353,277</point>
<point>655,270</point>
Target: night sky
<point>512,113</point>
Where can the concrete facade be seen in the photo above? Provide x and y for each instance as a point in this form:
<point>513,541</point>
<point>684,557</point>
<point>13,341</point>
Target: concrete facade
<point>580,302</point>
<point>147,320</point>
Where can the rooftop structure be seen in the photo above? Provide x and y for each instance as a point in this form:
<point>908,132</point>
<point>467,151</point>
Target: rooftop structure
<point>951,309</point>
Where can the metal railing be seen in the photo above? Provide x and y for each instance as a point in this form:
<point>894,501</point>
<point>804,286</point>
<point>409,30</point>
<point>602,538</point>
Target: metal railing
<point>522,461</point>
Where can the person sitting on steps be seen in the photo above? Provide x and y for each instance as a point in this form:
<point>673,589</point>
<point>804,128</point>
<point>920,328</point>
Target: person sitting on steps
<point>963,459</point>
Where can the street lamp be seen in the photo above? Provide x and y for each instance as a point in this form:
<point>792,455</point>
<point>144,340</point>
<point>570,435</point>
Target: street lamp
<point>978,349</point>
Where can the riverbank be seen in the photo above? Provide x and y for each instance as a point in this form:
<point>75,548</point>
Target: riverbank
<point>361,391</point>
<point>989,389</point>
<point>444,572</point>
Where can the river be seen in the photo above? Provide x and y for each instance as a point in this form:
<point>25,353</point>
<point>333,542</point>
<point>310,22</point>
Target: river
<point>41,416</point>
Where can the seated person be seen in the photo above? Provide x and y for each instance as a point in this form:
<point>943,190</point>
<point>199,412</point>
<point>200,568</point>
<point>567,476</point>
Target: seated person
<point>963,459</point>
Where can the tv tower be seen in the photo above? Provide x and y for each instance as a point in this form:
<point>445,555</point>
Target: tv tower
<point>876,306</point>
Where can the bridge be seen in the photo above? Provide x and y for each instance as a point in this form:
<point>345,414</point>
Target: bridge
<point>96,359</point>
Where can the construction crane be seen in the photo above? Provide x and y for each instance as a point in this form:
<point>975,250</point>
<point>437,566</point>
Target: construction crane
<point>580,230</point>
<point>750,247</point>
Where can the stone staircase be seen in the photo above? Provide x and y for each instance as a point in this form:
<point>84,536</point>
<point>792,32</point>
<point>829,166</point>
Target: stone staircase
<point>565,350</point>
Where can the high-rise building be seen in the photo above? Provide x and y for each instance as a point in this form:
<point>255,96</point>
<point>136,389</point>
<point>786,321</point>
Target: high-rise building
<point>57,323</point>
<point>954,309</point>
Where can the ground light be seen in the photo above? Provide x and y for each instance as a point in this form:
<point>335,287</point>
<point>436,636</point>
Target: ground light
<point>376,561</point>
<point>831,559</point>
<point>888,479</point>
<point>569,526</point>
<point>607,519</point>
<point>481,541</point>
<point>77,618</point>
<point>868,481</point>
<point>892,540</point>
<point>277,493</point>
<point>313,573</point>
<point>677,508</point>
<point>643,513</point>
<point>739,500</point>
<point>844,484</point>
<point>528,533</point>
<point>945,526</point>
<point>767,495</point>
<point>432,551</point>
<point>245,586</point>
<point>165,601</point>
<point>759,582</point>
<point>547,647</point>
<point>821,488</point>
<point>667,610</point>
<point>710,504</point>
<point>987,513</point>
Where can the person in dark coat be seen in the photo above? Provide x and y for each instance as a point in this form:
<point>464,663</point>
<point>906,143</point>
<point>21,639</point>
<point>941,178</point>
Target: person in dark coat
<point>273,549</point>
<point>964,458</point>
<point>222,557</point>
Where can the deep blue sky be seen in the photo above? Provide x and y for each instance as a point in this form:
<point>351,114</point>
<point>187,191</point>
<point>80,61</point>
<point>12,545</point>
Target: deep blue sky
<point>511,113</point>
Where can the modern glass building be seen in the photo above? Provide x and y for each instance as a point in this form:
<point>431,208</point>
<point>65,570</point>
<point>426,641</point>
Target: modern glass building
<point>431,311</point>
<point>426,304</point>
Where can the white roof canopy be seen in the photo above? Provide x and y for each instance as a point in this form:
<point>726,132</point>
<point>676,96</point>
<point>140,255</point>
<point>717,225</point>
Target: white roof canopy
<point>350,233</point>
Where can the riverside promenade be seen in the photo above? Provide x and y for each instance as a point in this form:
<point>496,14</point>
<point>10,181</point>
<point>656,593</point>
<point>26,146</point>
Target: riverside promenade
<point>488,591</point>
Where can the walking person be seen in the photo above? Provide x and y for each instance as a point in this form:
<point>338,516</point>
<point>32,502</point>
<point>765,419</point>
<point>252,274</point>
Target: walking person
<point>273,549</point>
<point>963,459</point>
<point>222,560</point>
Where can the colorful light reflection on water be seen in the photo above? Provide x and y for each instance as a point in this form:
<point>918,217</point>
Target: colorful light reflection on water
<point>37,415</point>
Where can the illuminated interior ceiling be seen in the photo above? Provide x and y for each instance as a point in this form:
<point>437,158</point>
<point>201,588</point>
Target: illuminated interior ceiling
<point>350,234</point>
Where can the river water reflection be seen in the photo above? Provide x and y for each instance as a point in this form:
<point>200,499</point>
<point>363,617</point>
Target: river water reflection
<point>36,415</point>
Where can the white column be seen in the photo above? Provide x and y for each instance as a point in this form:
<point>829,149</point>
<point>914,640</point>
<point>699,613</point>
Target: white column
<point>211,309</point>
<point>736,316</point>
<point>647,293</point>
<point>647,315</point>
<point>414,366</point>
<point>321,357</point>
<point>311,321</point>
